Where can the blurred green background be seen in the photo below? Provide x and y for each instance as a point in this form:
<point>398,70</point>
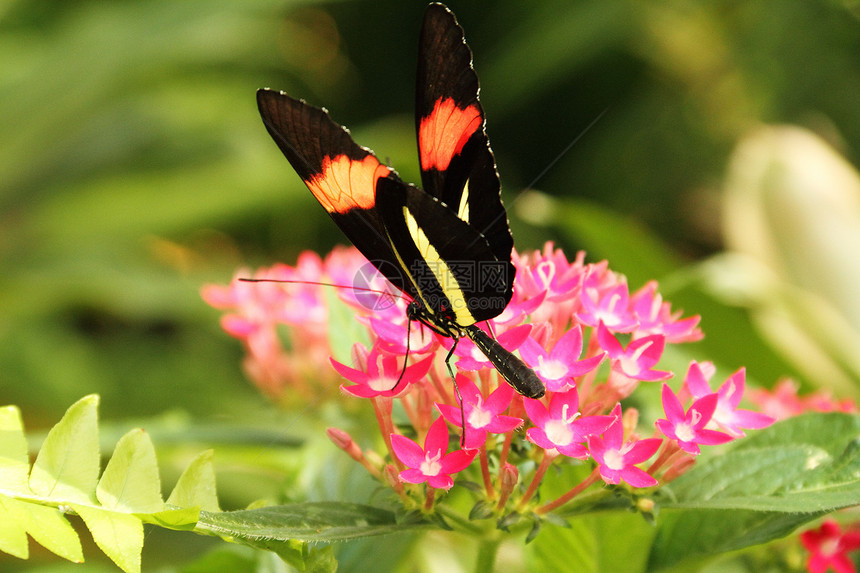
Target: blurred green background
<point>134,169</point>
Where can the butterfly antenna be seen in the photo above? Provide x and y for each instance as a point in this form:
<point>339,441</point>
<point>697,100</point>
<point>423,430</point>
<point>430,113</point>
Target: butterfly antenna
<point>383,293</point>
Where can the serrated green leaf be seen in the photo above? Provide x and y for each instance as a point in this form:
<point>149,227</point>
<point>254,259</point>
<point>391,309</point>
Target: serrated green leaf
<point>196,485</point>
<point>48,527</point>
<point>311,521</point>
<point>130,482</point>
<point>118,535</point>
<point>67,466</point>
<point>13,536</point>
<point>14,463</point>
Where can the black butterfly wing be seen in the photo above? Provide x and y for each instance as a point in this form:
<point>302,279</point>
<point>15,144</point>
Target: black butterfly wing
<point>453,268</point>
<point>340,174</point>
<point>457,164</point>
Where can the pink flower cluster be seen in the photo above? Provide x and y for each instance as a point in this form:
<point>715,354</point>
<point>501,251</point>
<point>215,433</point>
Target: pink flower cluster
<point>784,401</point>
<point>577,325</point>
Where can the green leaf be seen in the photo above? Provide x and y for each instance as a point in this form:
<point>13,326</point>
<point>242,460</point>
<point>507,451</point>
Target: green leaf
<point>183,519</point>
<point>13,536</point>
<point>301,555</point>
<point>119,535</point>
<point>14,463</point>
<point>65,475</point>
<point>320,560</point>
<point>67,466</point>
<point>196,485</point>
<point>556,548</point>
<point>311,521</point>
<point>772,482</point>
<point>48,527</point>
<point>808,463</point>
<point>130,482</point>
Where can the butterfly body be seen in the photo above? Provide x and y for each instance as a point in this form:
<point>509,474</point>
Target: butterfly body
<point>448,246</point>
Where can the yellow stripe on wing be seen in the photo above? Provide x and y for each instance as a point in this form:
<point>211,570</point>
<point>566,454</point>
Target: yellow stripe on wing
<point>463,209</point>
<point>443,274</point>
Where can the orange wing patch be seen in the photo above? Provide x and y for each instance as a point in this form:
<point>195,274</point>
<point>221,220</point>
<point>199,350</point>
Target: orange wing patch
<point>345,183</point>
<point>445,131</point>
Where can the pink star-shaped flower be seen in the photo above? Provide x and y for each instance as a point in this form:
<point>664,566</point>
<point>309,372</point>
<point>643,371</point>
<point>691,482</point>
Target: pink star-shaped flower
<point>431,463</point>
<point>610,307</point>
<point>380,373</point>
<point>482,416</point>
<point>518,309</point>
<point>638,359</point>
<point>562,427</point>
<point>561,365</point>
<point>828,547</point>
<point>727,416</point>
<point>656,317</point>
<point>617,460</point>
<point>549,273</point>
<point>689,429</point>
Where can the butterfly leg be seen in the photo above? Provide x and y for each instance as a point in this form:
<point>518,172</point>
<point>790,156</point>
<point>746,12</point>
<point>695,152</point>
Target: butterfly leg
<point>457,389</point>
<point>406,356</point>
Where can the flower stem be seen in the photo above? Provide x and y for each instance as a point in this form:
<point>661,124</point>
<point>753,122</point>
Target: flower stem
<point>428,501</point>
<point>561,500</point>
<point>382,409</point>
<point>485,472</point>
<point>666,453</point>
<point>536,479</point>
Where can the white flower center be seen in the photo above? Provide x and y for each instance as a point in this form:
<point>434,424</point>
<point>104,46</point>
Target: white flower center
<point>551,369</point>
<point>613,459</point>
<point>478,416</point>
<point>684,432</point>
<point>431,466</point>
<point>630,364</point>
<point>559,432</point>
<point>382,383</point>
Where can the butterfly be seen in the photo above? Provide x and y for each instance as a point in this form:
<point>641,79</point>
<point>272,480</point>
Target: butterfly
<point>447,246</point>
